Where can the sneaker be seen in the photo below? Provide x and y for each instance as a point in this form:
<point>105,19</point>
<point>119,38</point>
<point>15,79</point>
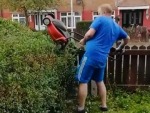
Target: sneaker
<point>82,111</point>
<point>103,108</point>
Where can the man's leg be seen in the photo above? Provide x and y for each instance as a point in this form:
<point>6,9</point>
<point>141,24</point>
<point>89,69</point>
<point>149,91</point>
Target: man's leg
<point>98,77</point>
<point>102,93</point>
<point>82,94</point>
<point>84,75</point>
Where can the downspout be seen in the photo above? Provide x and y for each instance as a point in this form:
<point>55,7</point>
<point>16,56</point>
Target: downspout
<point>26,16</point>
<point>1,13</point>
<point>83,6</point>
<point>38,18</point>
<point>118,12</point>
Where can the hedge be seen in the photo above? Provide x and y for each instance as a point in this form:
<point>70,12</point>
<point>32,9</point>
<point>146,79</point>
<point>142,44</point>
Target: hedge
<point>33,77</point>
<point>82,27</point>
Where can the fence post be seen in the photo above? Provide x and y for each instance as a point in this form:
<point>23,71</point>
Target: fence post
<point>133,70</point>
<point>148,69</point>
<point>141,67</point>
<point>118,70</point>
<point>110,72</point>
<point>126,67</point>
<point>93,88</point>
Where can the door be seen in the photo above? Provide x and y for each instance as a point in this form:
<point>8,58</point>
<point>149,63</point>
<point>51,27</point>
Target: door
<point>39,16</point>
<point>39,21</point>
<point>132,17</point>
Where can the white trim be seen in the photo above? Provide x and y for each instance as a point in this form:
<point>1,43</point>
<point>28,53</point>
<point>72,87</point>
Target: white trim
<point>97,15</point>
<point>17,17</point>
<point>67,17</point>
<point>118,11</point>
<point>30,18</point>
<point>136,7</point>
<point>42,11</point>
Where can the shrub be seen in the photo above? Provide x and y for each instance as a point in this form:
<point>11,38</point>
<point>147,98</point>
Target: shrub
<point>82,28</point>
<point>33,78</point>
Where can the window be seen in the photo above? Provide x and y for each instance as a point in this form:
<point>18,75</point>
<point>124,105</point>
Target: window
<point>66,19</point>
<point>39,18</point>
<point>95,14</point>
<point>19,18</point>
<point>113,15</point>
<point>132,17</point>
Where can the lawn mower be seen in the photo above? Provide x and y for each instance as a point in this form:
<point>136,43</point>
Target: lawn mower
<point>58,31</point>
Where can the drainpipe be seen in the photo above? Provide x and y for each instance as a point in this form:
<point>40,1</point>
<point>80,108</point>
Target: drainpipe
<point>38,17</point>
<point>83,5</point>
<point>116,3</point>
<point>1,12</point>
<point>71,15</point>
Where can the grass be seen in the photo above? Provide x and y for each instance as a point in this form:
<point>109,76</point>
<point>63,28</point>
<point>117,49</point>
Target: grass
<point>120,101</point>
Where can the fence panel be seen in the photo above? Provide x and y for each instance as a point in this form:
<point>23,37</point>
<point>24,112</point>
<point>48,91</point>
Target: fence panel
<point>148,68</point>
<point>118,69</point>
<point>131,70</point>
<point>141,67</point>
<point>126,67</point>
<point>110,72</point>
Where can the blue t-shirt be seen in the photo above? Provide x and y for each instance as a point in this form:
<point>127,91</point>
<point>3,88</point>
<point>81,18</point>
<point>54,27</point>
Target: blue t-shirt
<point>98,47</point>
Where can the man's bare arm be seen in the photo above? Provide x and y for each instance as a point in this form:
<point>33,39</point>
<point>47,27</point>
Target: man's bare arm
<point>89,34</point>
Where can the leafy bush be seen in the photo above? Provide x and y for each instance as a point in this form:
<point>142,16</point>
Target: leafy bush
<point>33,78</point>
<point>82,27</point>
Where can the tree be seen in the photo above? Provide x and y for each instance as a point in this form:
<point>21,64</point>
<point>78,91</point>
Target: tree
<point>32,5</point>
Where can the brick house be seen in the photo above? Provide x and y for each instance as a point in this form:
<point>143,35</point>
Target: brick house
<point>130,13</point>
<point>134,12</point>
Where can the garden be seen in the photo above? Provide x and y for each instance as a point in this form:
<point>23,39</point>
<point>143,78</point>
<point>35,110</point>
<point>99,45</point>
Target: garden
<point>35,77</point>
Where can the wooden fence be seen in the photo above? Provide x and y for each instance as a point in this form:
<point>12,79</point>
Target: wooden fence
<point>130,70</point>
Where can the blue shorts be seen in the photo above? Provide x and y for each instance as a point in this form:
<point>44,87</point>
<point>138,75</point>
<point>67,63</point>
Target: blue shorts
<point>86,72</point>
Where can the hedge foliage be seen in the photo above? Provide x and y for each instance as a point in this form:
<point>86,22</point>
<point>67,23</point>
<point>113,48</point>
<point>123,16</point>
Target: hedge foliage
<point>82,27</point>
<point>33,78</point>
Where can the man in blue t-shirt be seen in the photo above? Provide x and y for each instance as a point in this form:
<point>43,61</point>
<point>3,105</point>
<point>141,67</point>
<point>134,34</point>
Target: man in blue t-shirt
<point>101,36</point>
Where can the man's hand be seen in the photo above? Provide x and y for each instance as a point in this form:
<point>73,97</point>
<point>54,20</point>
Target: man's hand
<point>120,47</point>
<point>88,35</point>
<point>123,43</point>
<point>82,42</point>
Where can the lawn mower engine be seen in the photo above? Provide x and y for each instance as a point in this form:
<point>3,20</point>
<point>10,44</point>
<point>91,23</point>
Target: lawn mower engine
<point>57,31</point>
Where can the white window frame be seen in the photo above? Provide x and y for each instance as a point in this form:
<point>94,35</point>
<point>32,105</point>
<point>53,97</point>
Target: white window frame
<point>95,14</point>
<point>67,16</point>
<point>18,17</point>
<point>41,17</point>
<point>113,15</point>
<point>132,8</point>
<point>38,18</point>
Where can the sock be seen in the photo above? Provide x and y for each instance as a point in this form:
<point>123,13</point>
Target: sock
<point>80,108</point>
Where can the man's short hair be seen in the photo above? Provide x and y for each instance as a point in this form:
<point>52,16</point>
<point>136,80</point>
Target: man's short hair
<point>105,8</point>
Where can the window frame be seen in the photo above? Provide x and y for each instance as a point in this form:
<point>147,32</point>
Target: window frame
<point>18,17</point>
<point>96,15</point>
<point>67,15</point>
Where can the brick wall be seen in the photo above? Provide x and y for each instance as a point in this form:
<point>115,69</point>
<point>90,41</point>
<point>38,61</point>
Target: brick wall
<point>146,22</point>
<point>6,14</point>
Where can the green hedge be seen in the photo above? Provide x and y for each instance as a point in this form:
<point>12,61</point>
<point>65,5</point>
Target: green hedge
<point>82,27</point>
<point>33,78</point>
